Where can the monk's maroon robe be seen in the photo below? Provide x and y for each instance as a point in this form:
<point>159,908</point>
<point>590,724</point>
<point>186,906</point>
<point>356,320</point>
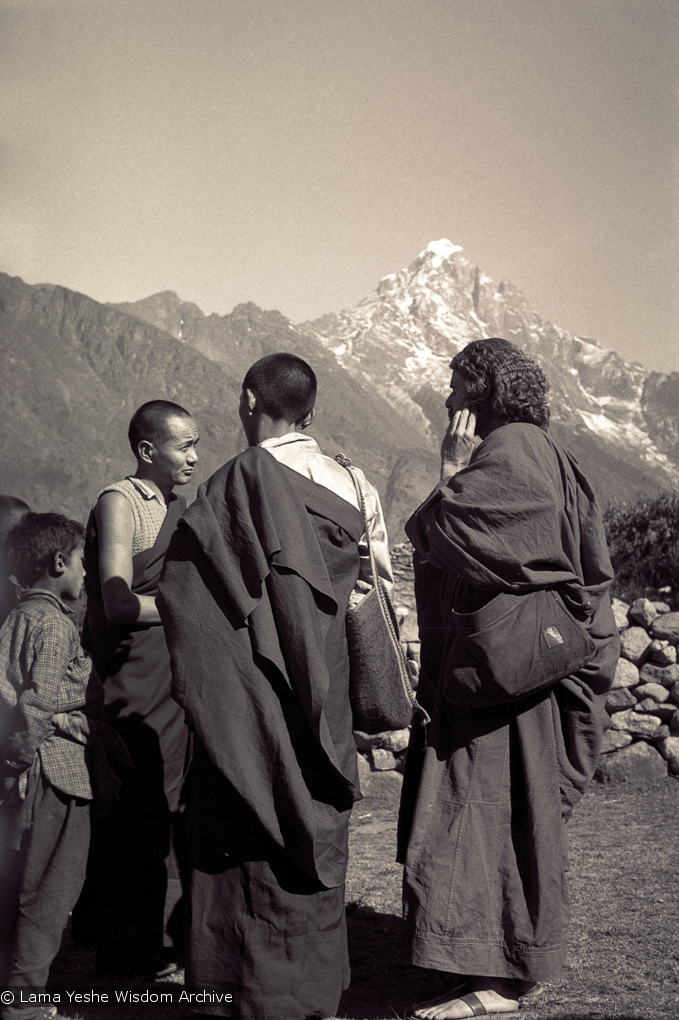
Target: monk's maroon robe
<point>488,790</point>
<point>131,903</point>
<point>253,599</point>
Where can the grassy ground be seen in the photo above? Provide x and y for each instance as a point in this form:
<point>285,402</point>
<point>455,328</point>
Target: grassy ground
<point>624,936</point>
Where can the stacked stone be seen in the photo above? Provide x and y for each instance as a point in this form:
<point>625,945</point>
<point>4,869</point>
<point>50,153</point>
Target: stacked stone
<point>644,701</point>
<point>403,595</point>
<point>643,740</point>
<point>382,753</point>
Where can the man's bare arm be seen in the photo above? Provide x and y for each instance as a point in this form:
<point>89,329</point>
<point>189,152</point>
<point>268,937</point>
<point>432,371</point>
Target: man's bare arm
<point>115,528</point>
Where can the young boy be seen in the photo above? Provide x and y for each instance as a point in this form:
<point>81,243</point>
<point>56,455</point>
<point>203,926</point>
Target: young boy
<point>48,694</point>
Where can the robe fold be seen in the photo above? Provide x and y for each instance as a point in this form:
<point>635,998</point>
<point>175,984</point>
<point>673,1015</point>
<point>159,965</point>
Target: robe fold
<point>253,600</point>
<point>487,791</point>
<point>130,904</point>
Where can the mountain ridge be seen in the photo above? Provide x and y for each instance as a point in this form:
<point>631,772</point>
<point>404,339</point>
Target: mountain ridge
<point>75,369</point>
<point>404,334</point>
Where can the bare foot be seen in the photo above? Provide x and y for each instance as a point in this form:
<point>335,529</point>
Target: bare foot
<point>420,1009</point>
<point>496,995</point>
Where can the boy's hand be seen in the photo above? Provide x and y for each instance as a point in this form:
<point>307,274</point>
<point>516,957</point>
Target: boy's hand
<point>73,725</point>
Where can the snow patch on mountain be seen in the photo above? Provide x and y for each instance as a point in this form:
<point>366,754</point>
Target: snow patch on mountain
<point>402,337</point>
<point>626,435</point>
<point>440,250</point>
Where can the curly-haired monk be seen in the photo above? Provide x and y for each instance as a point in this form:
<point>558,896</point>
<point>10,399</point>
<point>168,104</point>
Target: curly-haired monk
<point>486,797</point>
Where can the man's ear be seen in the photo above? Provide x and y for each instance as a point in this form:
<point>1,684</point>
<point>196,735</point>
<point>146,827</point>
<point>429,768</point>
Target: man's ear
<point>145,451</point>
<point>250,400</point>
<point>306,422</point>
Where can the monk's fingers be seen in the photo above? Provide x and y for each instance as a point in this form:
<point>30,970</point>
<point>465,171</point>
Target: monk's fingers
<point>463,422</point>
<point>470,425</point>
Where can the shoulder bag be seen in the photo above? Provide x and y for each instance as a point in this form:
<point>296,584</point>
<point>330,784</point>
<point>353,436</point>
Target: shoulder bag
<point>382,696</point>
<point>514,646</point>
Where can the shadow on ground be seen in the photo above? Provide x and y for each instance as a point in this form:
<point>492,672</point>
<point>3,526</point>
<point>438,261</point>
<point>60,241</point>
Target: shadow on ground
<point>382,986</point>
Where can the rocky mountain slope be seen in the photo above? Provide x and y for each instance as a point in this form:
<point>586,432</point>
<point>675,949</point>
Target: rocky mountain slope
<point>73,370</point>
<point>352,416</point>
<point>621,421</point>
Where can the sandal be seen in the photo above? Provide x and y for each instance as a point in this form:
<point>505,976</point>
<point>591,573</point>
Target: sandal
<point>478,1009</point>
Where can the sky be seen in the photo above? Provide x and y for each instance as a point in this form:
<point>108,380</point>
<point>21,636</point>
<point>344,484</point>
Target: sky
<point>294,152</point>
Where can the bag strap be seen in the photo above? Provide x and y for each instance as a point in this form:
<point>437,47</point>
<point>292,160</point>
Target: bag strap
<point>383,598</point>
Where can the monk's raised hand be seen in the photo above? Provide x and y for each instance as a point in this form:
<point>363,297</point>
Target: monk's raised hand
<point>458,443</point>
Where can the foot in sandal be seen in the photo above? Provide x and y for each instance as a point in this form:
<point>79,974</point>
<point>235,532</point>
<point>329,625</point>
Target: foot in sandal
<point>482,997</point>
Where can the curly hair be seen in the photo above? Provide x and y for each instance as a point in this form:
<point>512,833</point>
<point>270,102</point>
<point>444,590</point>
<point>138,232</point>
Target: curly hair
<point>504,380</point>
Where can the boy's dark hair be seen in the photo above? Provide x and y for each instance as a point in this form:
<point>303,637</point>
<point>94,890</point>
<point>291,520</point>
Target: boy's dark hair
<point>35,541</point>
<point>150,422</point>
<point>285,385</point>
<point>504,379</point>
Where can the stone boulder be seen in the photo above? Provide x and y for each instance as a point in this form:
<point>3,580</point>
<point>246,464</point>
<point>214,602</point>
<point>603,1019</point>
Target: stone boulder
<point>638,763</point>
<point>666,626</point>
<point>620,699</point>
<point>384,791</point>
<point>643,612</point>
<point>651,690</point>
<point>364,775</point>
<point>382,760</point>
<point>634,644</point>
<point>649,706</point>
<point>409,630</point>
<point>663,653</point>
<point>636,723</point>
<point>669,749</point>
<point>626,675</point>
<point>620,610</point>
<point>391,740</point>
<point>614,740</point>
<point>665,675</point>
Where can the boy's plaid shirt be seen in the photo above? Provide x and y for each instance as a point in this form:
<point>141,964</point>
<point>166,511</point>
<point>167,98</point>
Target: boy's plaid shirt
<point>44,670</point>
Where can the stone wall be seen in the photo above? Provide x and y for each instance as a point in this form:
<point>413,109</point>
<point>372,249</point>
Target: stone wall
<point>381,756</point>
<point>643,740</point>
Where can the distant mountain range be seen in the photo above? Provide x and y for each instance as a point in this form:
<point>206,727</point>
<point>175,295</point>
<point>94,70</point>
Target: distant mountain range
<point>73,371</point>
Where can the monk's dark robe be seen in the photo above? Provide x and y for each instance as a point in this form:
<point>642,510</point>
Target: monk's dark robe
<point>488,790</point>
<point>253,600</point>
<point>130,906</point>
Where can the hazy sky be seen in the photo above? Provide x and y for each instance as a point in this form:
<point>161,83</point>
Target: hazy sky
<point>293,152</point>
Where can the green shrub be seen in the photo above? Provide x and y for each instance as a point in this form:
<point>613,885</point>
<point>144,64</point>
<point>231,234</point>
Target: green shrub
<point>644,544</point>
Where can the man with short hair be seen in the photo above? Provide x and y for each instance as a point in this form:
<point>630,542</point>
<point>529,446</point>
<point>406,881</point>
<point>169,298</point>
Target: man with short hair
<point>253,599</point>
<point>134,884</point>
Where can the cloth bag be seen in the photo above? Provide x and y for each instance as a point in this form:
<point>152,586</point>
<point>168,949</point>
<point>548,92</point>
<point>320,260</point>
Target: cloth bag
<point>512,647</point>
<point>382,696</point>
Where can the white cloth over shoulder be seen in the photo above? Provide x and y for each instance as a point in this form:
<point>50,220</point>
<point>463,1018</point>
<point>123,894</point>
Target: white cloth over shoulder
<point>302,454</point>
